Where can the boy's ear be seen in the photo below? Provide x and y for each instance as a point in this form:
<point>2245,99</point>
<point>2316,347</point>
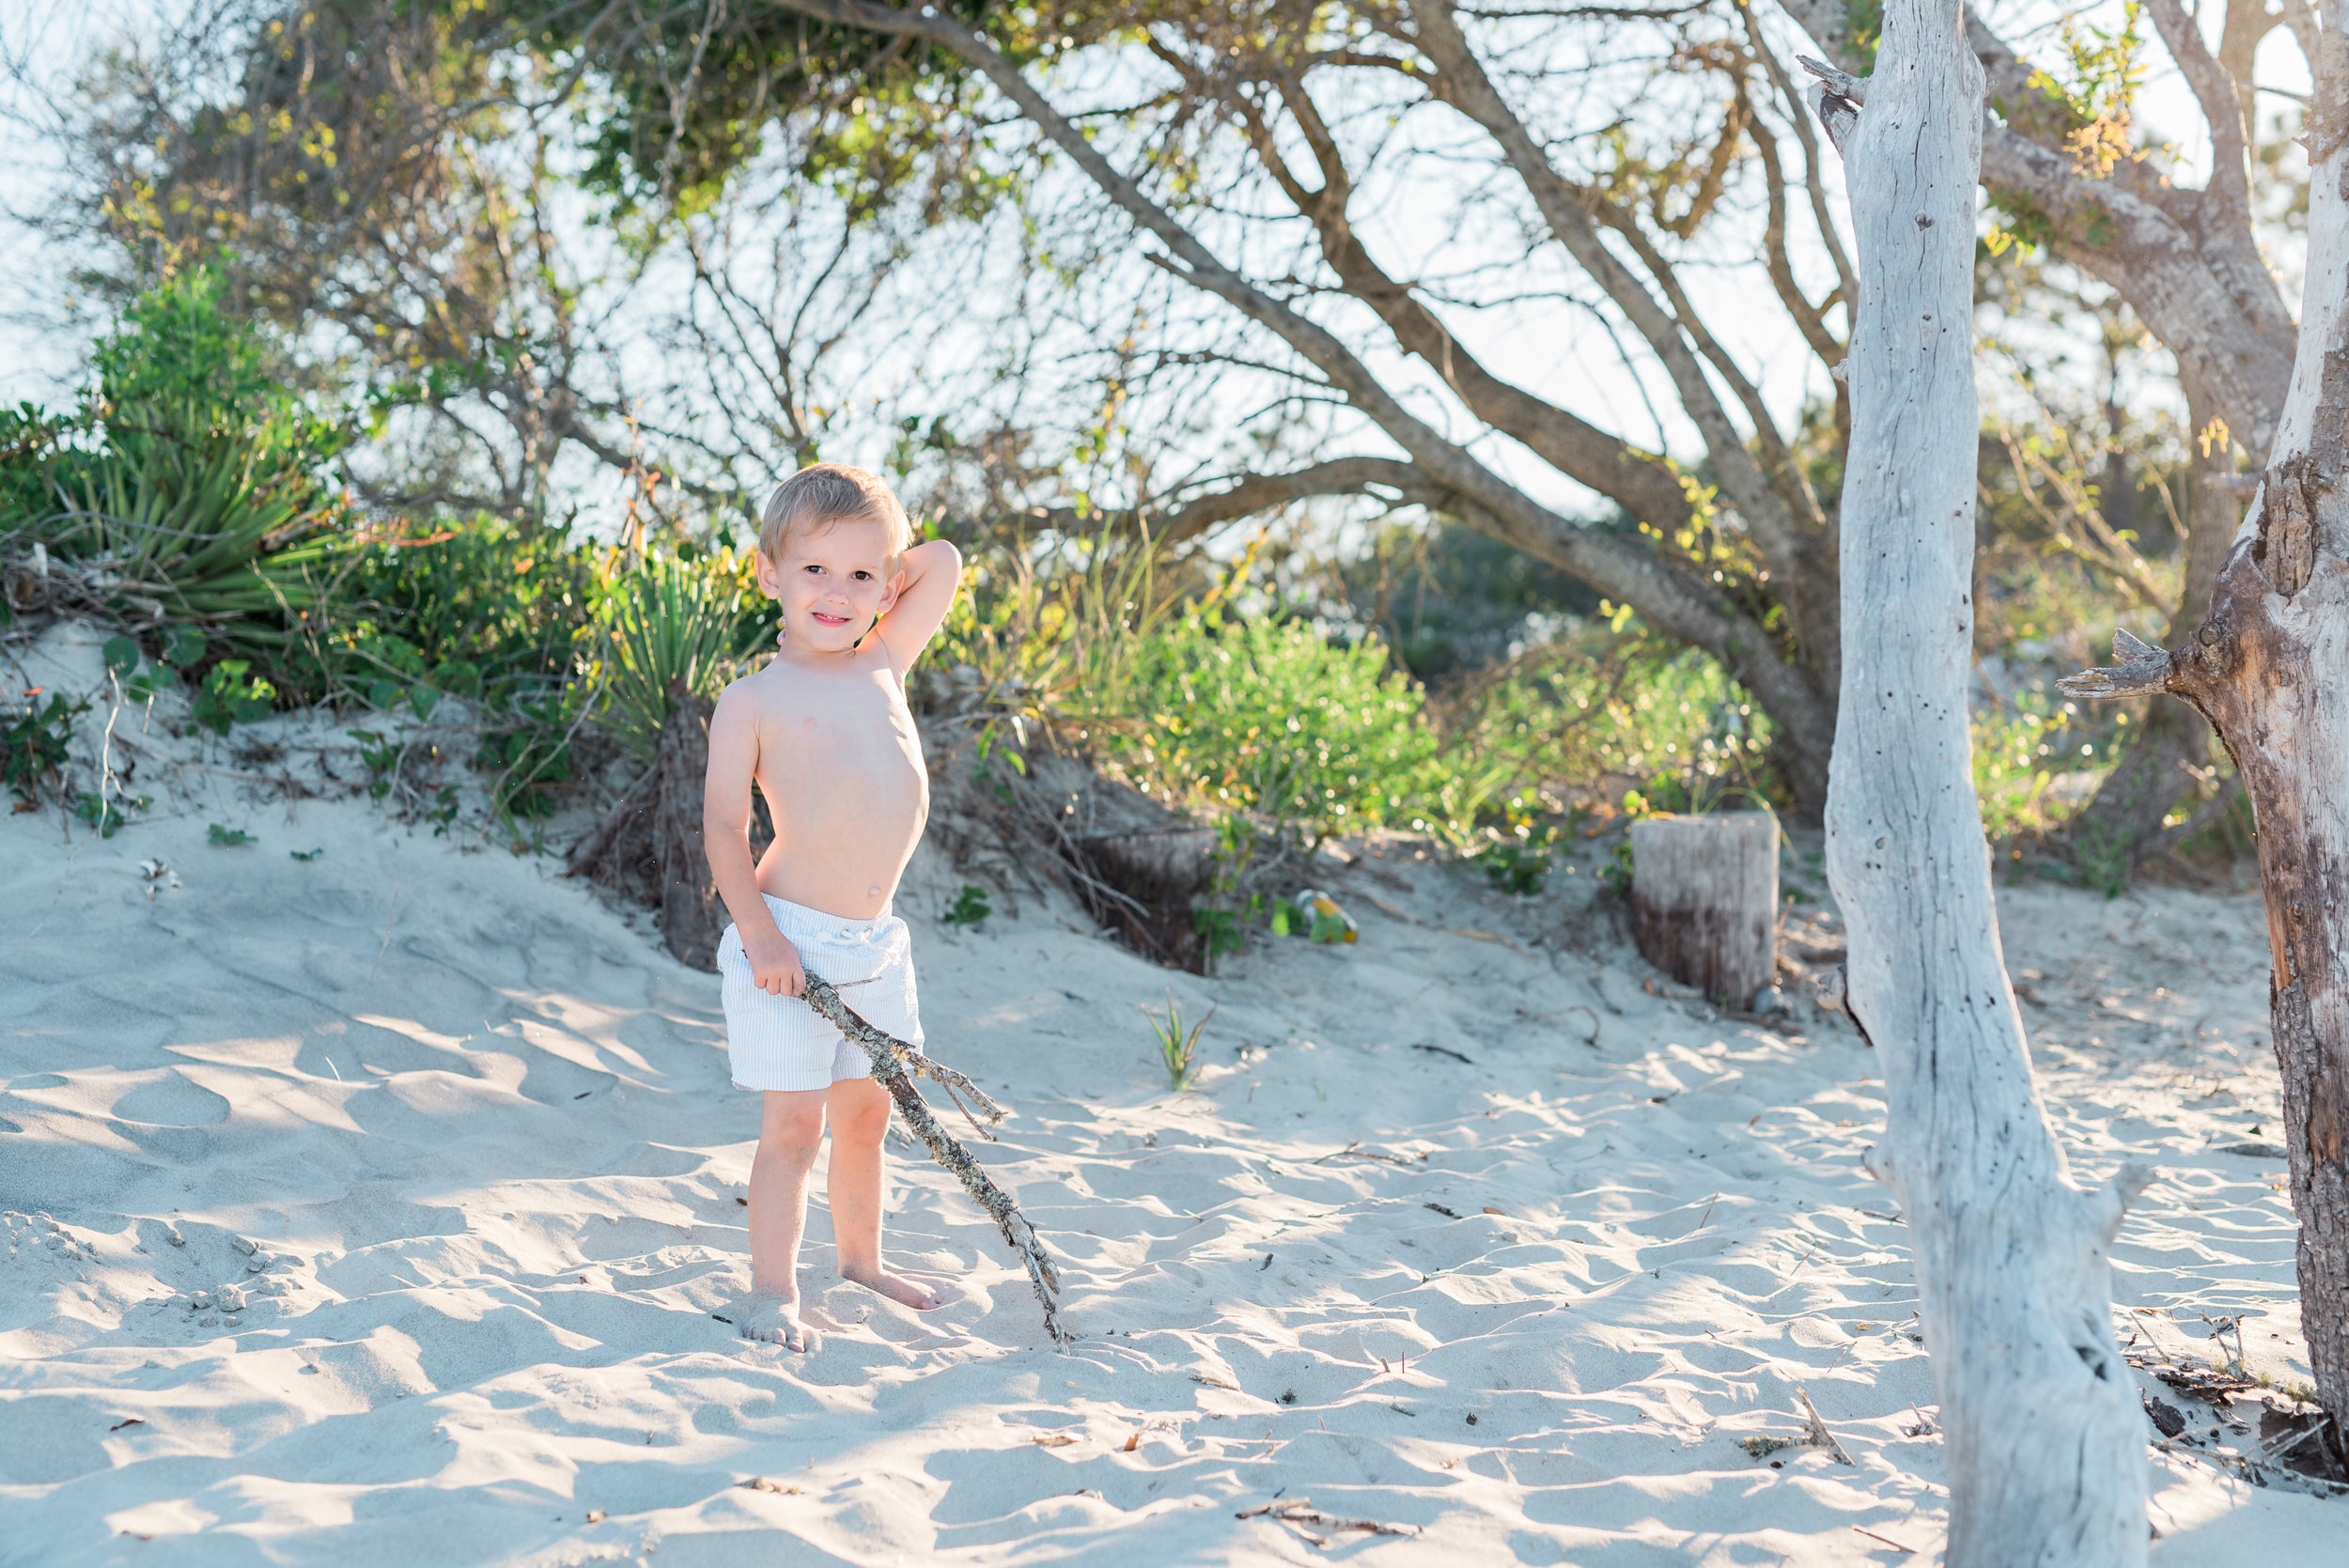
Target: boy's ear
<point>889,596</point>
<point>770,576</point>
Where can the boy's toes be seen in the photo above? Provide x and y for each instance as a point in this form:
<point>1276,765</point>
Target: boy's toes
<point>901,1290</point>
<point>778,1322</point>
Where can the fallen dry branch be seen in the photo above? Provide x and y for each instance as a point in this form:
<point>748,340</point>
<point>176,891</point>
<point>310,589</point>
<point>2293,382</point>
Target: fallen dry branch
<point>1355,1151</point>
<point>1820,1436</point>
<point>896,1065</point>
<point>1297,1513</point>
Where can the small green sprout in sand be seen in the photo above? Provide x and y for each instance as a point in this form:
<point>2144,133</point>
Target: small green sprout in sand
<point>970,907</point>
<point>226,836</point>
<point>1178,1049</point>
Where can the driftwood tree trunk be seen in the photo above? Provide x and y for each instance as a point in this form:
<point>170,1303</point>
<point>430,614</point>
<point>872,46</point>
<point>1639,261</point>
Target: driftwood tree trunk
<point>1705,900</point>
<point>2269,668</point>
<point>688,895</point>
<point>2046,1442</point>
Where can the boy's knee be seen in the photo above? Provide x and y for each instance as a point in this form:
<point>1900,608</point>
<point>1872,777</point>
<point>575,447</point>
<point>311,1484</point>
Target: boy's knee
<point>861,1118</point>
<point>792,1124</point>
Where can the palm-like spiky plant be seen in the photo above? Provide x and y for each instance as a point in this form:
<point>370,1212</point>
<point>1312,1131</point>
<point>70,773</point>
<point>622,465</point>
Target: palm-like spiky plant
<point>206,527</point>
<point>669,620</point>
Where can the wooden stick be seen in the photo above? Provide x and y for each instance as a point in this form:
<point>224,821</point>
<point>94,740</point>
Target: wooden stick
<point>1298,1511</point>
<point>1820,1436</point>
<point>896,1065</point>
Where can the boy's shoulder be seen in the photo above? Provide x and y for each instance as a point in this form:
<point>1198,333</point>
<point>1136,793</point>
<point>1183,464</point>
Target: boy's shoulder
<point>765,688</point>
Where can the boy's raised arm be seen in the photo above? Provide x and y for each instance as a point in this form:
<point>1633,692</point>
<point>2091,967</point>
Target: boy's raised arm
<point>727,840</point>
<point>931,571</point>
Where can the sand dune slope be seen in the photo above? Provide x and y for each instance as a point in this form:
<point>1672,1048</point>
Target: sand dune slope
<point>382,1208</point>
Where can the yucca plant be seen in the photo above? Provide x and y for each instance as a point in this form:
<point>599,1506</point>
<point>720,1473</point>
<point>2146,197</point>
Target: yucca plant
<point>191,526</point>
<point>667,620</point>
<point>209,498</point>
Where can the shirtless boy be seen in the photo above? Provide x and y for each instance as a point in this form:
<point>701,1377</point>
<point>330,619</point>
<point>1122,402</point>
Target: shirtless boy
<point>825,731</point>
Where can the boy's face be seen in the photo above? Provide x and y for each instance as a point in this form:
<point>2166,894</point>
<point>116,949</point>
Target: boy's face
<point>833,582</point>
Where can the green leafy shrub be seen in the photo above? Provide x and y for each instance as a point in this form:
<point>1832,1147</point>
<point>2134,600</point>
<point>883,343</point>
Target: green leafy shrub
<point>33,448</point>
<point>1519,864</point>
<point>1598,705</point>
<point>1271,717</point>
<point>107,813</point>
<point>381,758</point>
<point>1221,935</point>
<point>527,761</point>
<point>480,608</point>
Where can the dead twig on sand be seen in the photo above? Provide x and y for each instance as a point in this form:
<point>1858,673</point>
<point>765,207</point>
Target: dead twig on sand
<point>896,1065</point>
<point>1355,1151</point>
<point>1820,1436</point>
<point>1297,1513</point>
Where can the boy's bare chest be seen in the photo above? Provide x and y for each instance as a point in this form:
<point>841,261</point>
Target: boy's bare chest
<point>817,738</point>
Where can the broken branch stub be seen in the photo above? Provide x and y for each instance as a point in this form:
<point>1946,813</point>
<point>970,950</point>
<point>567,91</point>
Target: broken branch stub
<point>896,1065</point>
<point>2139,669</point>
<point>1836,98</point>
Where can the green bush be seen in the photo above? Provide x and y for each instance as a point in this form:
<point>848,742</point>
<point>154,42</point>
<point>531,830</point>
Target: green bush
<point>1599,705</point>
<point>1269,716</point>
<point>481,608</point>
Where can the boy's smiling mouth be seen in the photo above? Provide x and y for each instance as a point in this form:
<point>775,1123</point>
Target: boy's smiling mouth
<point>822,619</point>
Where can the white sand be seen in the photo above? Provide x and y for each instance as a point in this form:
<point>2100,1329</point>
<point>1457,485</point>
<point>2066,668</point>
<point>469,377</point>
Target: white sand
<point>481,1132</point>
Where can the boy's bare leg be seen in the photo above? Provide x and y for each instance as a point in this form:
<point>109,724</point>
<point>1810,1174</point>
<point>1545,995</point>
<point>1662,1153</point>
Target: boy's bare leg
<point>790,1131</point>
<point>860,1119</point>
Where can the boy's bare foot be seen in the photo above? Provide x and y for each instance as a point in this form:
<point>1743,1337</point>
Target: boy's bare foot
<point>775,1320</point>
<point>897,1287</point>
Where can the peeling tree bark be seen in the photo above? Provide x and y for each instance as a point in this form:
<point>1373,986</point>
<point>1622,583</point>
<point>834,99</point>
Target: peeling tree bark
<point>2269,668</point>
<point>2046,1445</point>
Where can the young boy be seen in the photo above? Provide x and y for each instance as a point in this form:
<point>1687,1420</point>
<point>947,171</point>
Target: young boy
<point>825,731</point>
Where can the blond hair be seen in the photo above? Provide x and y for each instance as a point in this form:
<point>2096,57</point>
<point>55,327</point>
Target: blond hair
<point>824,493</point>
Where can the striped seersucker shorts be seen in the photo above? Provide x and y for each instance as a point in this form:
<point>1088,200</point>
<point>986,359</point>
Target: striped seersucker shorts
<point>779,1042</point>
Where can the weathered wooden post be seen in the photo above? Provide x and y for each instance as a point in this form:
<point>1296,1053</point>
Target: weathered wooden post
<point>1704,901</point>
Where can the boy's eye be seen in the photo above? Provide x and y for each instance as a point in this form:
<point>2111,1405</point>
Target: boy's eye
<point>864,577</point>
<point>813,568</point>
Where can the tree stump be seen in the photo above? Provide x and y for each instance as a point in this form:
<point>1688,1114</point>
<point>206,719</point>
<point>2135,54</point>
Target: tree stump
<point>1705,900</point>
